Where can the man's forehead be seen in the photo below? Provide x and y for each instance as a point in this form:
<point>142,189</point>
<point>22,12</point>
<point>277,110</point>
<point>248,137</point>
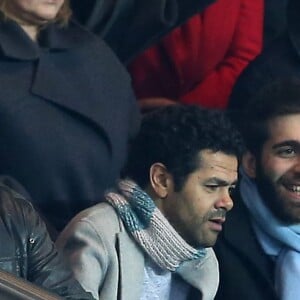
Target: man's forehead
<point>218,161</point>
<point>286,124</point>
<point>284,128</point>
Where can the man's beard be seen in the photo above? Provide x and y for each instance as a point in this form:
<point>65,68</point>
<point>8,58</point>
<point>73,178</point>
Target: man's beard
<point>270,194</point>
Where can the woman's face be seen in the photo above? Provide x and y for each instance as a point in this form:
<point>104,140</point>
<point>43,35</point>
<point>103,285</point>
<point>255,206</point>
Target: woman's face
<point>33,12</point>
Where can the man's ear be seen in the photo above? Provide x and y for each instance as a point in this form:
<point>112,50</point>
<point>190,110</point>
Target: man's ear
<point>249,164</point>
<point>160,180</point>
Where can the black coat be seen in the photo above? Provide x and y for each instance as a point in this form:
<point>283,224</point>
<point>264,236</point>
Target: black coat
<point>279,60</point>
<point>246,273</point>
<point>274,19</point>
<point>67,112</point>
<point>129,26</point>
<point>26,249</point>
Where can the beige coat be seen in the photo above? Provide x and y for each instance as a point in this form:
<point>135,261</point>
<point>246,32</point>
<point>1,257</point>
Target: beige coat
<point>110,264</point>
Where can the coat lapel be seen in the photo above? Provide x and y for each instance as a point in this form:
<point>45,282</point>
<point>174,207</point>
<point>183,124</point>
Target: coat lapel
<point>131,261</point>
<point>202,274</point>
<point>239,233</point>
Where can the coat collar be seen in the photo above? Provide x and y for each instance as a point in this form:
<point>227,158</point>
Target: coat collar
<point>16,44</point>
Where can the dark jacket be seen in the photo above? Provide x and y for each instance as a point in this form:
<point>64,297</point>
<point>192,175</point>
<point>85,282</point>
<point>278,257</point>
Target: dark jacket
<point>26,249</point>
<point>67,112</point>
<point>275,19</point>
<point>129,26</point>
<point>279,60</point>
<point>245,271</point>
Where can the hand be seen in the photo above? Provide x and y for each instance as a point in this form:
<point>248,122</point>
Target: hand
<point>149,104</point>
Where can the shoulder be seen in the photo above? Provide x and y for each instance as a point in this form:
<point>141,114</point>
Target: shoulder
<point>17,212</point>
<point>97,56</point>
<point>84,39</point>
<point>93,232</point>
<point>99,214</point>
<point>99,222</point>
<point>12,197</point>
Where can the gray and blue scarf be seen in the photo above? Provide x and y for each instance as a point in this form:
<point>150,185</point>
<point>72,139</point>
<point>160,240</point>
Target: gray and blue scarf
<point>278,240</point>
<point>151,230</point>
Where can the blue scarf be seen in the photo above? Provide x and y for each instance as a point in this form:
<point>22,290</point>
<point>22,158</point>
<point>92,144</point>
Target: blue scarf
<point>151,230</point>
<point>278,240</point>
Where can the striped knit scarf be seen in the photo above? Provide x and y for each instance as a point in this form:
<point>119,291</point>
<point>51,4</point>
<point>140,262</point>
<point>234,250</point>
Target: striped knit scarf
<point>151,230</point>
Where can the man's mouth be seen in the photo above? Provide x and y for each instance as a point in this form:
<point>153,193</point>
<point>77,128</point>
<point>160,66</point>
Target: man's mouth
<point>292,191</point>
<point>216,223</point>
<point>292,187</point>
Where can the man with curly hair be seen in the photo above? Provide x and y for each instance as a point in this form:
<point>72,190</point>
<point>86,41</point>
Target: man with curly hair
<point>152,237</point>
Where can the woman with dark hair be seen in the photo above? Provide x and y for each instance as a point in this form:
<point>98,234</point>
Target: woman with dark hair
<point>67,109</point>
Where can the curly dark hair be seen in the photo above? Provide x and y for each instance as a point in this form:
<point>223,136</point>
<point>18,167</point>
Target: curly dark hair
<point>174,136</point>
<point>279,98</point>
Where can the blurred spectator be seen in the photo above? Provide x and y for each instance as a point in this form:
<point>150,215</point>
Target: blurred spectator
<point>67,109</point>
<point>26,249</point>
<point>275,19</point>
<point>199,62</point>
<point>280,59</point>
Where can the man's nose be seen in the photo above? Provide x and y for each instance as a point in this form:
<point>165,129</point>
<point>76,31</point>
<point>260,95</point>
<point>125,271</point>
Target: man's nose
<point>225,201</point>
<point>296,166</point>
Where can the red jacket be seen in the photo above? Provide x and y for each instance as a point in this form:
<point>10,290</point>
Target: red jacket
<point>199,62</point>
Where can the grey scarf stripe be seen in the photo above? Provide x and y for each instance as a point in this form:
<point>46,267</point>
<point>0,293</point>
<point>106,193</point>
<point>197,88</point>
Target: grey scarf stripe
<point>150,228</point>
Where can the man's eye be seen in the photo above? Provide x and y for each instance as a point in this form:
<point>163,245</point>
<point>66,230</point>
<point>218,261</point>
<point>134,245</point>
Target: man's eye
<point>212,188</point>
<point>286,152</point>
<point>231,190</point>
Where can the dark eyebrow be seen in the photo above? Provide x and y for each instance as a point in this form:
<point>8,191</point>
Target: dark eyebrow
<point>292,143</point>
<point>220,182</point>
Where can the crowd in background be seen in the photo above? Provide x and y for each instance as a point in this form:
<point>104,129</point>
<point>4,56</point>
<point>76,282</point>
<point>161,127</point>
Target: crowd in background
<point>117,118</point>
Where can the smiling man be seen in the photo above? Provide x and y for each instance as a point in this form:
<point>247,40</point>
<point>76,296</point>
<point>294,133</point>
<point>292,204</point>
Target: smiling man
<point>152,238</point>
<point>260,245</point>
